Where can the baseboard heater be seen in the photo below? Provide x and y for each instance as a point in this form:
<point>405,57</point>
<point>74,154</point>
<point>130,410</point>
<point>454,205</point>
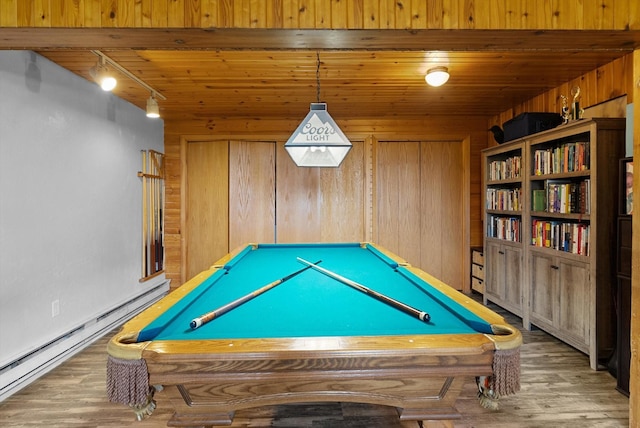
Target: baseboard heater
<point>22,371</point>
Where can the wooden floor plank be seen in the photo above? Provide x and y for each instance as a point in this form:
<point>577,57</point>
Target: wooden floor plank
<point>558,390</point>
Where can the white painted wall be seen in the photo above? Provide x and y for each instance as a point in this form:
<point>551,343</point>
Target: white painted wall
<point>70,201</point>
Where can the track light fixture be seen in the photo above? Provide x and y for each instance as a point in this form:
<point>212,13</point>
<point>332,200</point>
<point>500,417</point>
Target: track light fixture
<point>103,77</point>
<point>153,110</point>
<point>102,68</point>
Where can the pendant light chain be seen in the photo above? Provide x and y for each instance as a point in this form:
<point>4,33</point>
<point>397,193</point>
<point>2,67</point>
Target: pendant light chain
<point>318,76</point>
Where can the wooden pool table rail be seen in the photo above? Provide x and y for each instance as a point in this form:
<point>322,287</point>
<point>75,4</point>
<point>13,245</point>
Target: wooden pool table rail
<point>506,337</point>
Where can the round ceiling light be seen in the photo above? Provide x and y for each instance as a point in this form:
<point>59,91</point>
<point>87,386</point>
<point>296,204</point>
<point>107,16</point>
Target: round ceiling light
<point>437,76</point>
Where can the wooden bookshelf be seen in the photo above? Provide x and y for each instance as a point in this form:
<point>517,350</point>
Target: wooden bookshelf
<point>504,191</point>
<point>562,258</point>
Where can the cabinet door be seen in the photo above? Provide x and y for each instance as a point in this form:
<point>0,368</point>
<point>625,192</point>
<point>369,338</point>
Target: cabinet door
<point>494,270</point>
<point>207,202</point>
<point>307,198</point>
<point>252,192</point>
<point>543,298</point>
<point>575,297</point>
<point>512,283</point>
<point>424,220</point>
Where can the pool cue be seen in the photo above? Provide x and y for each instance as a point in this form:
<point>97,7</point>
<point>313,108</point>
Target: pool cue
<point>155,181</point>
<point>160,245</point>
<point>152,215</point>
<point>144,213</point>
<point>421,315</point>
<point>203,319</point>
<point>148,229</point>
<point>158,157</point>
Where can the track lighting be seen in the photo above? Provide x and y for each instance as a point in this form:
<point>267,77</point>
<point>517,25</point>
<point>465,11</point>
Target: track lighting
<point>101,70</point>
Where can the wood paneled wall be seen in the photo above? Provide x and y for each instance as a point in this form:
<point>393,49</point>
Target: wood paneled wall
<point>324,14</point>
<point>322,204</point>
<point>207,194</point>
<point>422,205</point>
<point>610,81</point>
<point>434,129</point>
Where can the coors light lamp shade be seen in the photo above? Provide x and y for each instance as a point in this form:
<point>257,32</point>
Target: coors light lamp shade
<point>318,141</point>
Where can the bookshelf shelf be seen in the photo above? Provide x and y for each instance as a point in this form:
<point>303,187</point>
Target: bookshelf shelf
<point>569,216</point>
<point>585,173</point>
<point>553,253</point>
<point>505,182</point>
<point>507,213</point>
<point>557,275</point>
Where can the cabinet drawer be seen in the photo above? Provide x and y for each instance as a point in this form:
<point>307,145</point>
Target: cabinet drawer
<point>477,284</point>
<point>477,257</point>
<point>477,271</point>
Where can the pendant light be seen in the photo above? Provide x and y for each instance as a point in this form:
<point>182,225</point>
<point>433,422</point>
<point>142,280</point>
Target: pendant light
<point>318,141</point>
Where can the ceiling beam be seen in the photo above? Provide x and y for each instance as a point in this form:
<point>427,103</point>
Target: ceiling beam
<point>278,39</point>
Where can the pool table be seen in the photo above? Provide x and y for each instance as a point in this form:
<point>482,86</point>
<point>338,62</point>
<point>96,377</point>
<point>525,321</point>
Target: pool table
<point>311,338</point>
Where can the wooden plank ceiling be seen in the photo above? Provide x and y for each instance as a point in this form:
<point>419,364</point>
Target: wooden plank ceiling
<point>234,79</point>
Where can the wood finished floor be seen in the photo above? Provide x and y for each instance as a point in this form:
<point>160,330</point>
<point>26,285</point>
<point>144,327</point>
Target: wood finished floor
<point>558,390</point>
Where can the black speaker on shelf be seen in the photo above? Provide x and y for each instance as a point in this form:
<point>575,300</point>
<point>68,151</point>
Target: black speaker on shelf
<point>530,123</point>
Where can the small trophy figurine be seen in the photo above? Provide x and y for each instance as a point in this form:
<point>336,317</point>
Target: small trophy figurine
<point>566,113</point>
<point>576,111</point>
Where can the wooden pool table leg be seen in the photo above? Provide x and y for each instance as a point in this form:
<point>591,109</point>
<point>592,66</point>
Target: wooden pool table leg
<point>187,415</point>
<point>446,402</point>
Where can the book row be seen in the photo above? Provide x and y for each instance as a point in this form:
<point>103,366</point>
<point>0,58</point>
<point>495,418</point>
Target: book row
<point>563,197</point>
<point>569,157</point>
<point>504,199</point>
<point>507,228</point>
<point>561,236</point>
<point>505,169</point>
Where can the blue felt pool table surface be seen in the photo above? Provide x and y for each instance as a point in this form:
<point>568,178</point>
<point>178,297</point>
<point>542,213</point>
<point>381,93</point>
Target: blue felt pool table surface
<point>312,304</point>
